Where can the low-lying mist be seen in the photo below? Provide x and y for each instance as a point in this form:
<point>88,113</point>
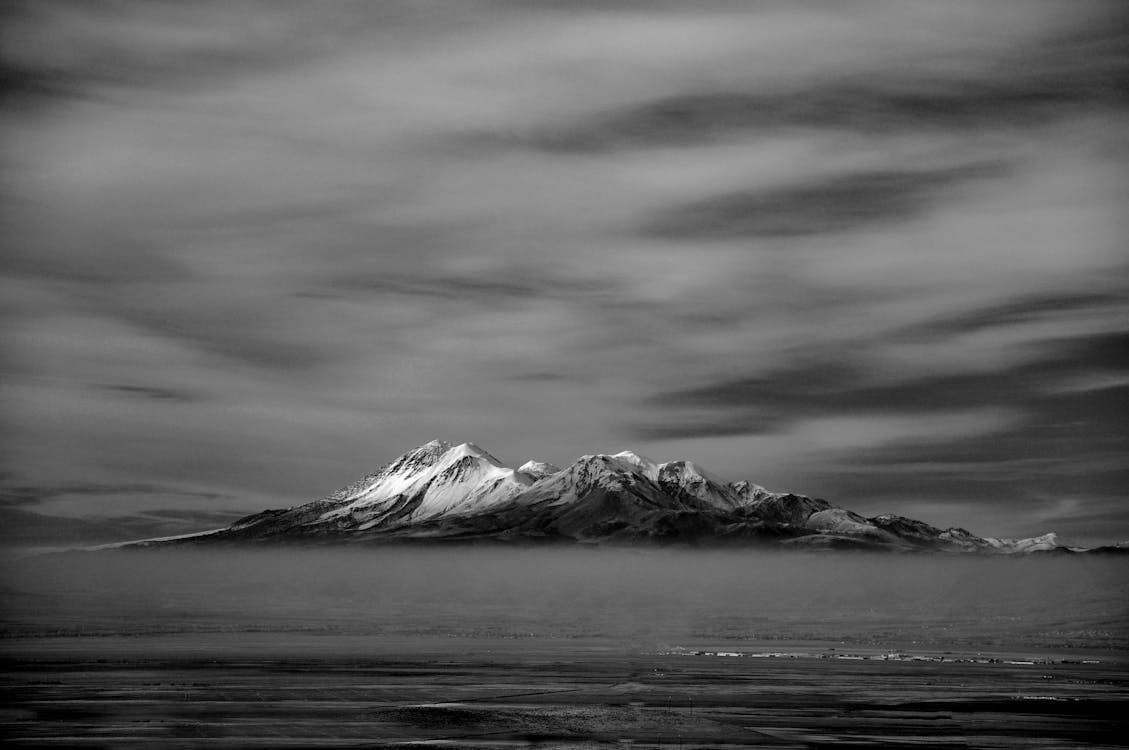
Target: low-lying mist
<point>644,596</point>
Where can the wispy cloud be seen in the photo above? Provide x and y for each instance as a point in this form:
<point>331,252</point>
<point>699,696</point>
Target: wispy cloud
<point>837,204</point>
<point>818,387</point>
<point>149,391</point>
<point>256,249</point>
<point>883,105</point>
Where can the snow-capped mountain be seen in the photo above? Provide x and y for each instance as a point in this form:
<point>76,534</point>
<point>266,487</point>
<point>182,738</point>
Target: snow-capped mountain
<point>433,480</point>
<point>444,492</point>
<point>538,469</point>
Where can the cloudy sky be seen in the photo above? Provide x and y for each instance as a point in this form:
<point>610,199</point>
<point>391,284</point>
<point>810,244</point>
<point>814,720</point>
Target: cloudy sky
<point>870,251</point>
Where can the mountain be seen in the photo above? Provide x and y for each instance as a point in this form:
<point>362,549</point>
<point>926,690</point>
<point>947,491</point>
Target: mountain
<point>444,493</point>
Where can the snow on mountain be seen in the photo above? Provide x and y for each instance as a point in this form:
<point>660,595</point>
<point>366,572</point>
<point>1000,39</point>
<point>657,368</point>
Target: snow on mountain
<point>403,467</point>
<point>589,473</point>
<point>1044,543</point>
<point>683,480</point>
<point>786,508</point>
<point>964,540</point>
<point>537,470</point>
<point>748,492</point>
<point>842,522</point>
<point>612,498</point>
<point>435,479</point>
<point>441,492</point>
<point>687,477</point>
<point>634,462</point>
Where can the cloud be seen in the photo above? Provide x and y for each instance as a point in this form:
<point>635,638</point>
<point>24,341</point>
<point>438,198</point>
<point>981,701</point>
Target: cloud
<point>153,392</point>
<point>15,493</point>
<point>865,107</point>
<point>836,204</point>
<point>1025,86</point>
<point>1018,311</point>
<point>845,385</point>
<point>495,286</point>
<point>20,527</point>
<point>257,251</point>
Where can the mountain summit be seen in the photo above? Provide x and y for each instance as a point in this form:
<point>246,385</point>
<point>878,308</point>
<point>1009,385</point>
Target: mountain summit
<point>440,492</point>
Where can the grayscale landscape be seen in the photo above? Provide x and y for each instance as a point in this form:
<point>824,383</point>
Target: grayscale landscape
<point>564,374</point>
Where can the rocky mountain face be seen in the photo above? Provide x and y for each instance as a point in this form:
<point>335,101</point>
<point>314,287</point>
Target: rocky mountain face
<point>443,493</point>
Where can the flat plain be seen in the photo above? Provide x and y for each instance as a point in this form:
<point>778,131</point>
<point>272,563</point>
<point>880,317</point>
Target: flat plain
<point>558,649</point>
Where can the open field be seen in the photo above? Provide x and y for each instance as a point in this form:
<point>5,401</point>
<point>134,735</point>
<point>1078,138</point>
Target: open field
<point>554,650</point>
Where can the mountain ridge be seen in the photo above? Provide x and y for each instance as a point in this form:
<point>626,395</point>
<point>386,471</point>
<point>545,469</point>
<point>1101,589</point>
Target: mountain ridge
<point>439,492</point>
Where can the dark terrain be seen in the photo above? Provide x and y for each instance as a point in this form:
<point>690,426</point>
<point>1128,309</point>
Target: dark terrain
<point>562,648</point>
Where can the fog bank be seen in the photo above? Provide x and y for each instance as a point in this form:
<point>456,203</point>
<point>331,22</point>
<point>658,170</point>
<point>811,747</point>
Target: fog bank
<point>638,596</point>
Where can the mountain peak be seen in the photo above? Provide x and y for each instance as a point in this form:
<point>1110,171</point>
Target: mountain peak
<point>635,462</point>
<point>470,449</point>
<point>632,456</point>
<point>538,469</point>
<point>443,492</point>
<point>425,454</point>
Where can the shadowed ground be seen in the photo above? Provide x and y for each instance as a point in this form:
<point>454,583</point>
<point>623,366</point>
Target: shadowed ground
<point>557,649</point>
<point>279,690</point>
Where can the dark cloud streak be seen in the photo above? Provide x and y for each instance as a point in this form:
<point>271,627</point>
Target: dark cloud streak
<point>498,287</point>
<point>14,492</point>
<point>835,385</point>
<point>695,119</point>
<point>1028,309</point>
<point>1082,72</point>
<point>152,392</point>
<point>836,204</point>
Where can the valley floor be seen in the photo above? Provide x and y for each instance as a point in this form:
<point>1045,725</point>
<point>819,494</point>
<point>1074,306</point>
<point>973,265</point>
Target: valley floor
<point>490,648</point>
<point>243,690</point>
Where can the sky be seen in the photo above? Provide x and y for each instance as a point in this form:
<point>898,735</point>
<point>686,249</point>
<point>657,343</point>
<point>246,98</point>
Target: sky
<point>872,251</point>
